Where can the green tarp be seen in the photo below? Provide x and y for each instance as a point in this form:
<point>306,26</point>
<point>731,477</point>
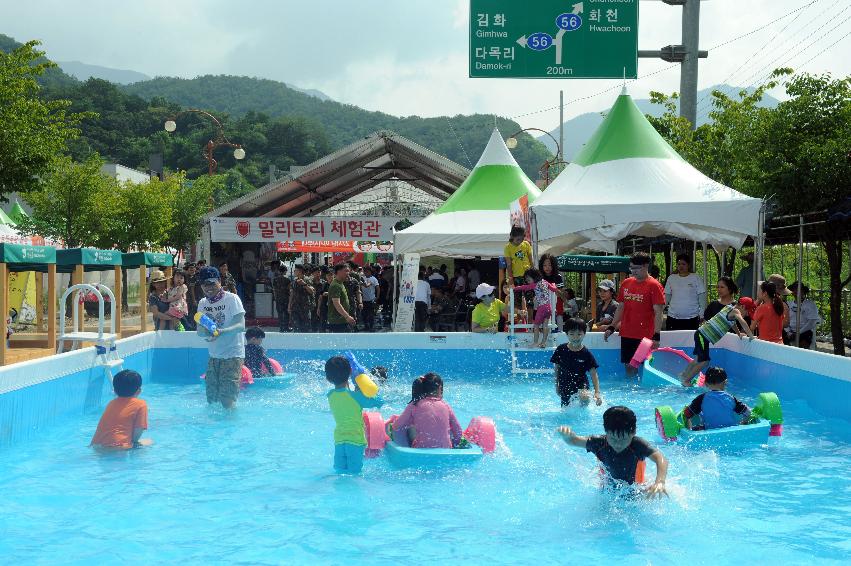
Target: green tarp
<point>593,263</point>
<point>19,257</point>
<point>90,258</point>
<point>4,219</point>
<point>18,213</point>
<point>151,259</point>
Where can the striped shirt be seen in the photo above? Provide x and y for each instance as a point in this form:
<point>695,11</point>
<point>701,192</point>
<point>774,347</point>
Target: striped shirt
<point>716,327</point>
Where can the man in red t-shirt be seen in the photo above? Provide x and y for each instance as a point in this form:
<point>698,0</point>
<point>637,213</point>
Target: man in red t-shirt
<point>641,299</point>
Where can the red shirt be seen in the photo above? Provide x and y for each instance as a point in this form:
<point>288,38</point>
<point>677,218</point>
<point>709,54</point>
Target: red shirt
<point>770,323</point>
<point>638,297</point>
<point>121,416</point>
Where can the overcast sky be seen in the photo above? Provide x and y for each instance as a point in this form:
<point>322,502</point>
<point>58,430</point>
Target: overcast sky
<point>410,56</point>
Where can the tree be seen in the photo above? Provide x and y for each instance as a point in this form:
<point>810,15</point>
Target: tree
<point>191,202</point>
<point>70,206</point>
<point>802,156</point>
<point>33,131</point>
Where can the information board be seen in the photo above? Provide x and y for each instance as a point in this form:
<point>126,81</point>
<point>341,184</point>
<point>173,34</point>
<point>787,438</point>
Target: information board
<point>592,39</point>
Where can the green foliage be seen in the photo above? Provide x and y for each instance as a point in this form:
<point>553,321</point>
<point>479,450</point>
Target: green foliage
<point>33,131</point>
<point>70,206</point>
<point>341,123</point>
<point>190,202</point>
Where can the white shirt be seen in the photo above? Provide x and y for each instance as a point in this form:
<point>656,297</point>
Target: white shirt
<point>369,290</point>
<point>435,276</point>
<point>230,345</point>
<point>686,296</point>
<point>810,317</point>
<point>423,292</point>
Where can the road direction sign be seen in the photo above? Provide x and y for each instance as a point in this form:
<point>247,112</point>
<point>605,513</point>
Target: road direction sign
<point>591,39</point>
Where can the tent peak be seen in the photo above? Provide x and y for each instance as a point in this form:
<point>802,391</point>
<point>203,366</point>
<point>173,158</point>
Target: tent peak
<point>496,153</point>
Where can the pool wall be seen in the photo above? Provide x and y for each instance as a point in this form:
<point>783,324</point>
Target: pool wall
<point>42,393</point>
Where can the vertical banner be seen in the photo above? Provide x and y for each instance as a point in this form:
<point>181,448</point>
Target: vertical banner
<point>407,292</point>
<point>518,211</point>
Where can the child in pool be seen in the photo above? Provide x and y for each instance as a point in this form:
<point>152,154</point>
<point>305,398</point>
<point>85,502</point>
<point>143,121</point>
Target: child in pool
<point>711,332</point>
<point>716,407</point>
<point>255,355</point>
<point>543,307</point>
<point>125,418</point>
<point>347,407</point>
<point>428,420</point>
<point>573,362</point>
<point>620,451</point>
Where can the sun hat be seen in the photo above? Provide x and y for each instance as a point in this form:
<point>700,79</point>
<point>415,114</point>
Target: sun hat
<point>779,282</point>
<point>209,274</point>
<point>484,290</point>
<point>607,284</point>
<point>157,276</point>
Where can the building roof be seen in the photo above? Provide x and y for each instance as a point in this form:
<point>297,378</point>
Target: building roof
<point>348,172</point>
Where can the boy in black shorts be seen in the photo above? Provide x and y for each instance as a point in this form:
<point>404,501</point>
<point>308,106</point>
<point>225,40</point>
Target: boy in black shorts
<point>620,452</point>
<point>572,362</point>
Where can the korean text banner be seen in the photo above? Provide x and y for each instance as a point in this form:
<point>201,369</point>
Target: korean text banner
<point>376,228</point>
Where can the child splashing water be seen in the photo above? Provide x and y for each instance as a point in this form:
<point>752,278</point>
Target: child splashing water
<point>428,420</point>
<point>543,304</point>
<point>573,362</point>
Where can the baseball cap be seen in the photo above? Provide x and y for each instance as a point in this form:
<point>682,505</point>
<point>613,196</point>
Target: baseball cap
<point>748,305</point>
<point>607,284</point>
<point>208,274</point>
<point>484,290</point>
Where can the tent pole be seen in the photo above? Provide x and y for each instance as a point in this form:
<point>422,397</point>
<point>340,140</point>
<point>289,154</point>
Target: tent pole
<point>759,244</point>
<point>534,226</point>
<point>51,306</point>
<point>798,286</point>
<point>4,310</point>
<point>705,264</point>
<point>395,282</point>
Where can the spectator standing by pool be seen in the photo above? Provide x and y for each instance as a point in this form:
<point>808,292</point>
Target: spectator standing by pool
<point>726,289</point>
<point>322,300</point>
<point>639,314</point>
<point>228,282</point>
<point>227,349</point>
<point>339,318</point>
<point>369,288</point>
<point>281,291</point>
<point>191,297</point>
<point>353,286</point>
<point>422,303</point>
<point>810,318</point>
<point>745,278</point>
<point>156,303</point>
<point>685,294</point>
<point>486,315</point>
<point>548,267</point>
<point>607,306</point>
<point>301,300</point>
<point>473,279</point>
<point>769,317</point>
<point>320,287</point>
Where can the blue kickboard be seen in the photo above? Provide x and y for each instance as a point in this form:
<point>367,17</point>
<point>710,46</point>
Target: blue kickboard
<point>735,437</point>
<point>404,457</point>
<point>652,377</point>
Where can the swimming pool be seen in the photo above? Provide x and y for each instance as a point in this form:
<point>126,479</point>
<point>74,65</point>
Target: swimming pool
<point>256,486</point>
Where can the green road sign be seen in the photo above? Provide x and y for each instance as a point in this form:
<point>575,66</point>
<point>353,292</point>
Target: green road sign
<point>563,39</point>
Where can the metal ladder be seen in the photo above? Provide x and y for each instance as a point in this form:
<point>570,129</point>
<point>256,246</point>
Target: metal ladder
<point>513,342</point>
<point>106,355</point>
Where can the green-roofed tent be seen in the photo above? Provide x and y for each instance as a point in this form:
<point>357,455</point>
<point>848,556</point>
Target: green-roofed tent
<point>627,180</point>
<point>91,259</point>
<point>5,219</point>
<point>149,259</point>
<point>18,213</point>
<point>20,257</point>
<point>475,220</point>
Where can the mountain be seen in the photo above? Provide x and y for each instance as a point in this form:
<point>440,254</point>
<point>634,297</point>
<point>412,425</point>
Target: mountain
<point>460,138</point>
<point>84,71</point>
<point>577,130</point>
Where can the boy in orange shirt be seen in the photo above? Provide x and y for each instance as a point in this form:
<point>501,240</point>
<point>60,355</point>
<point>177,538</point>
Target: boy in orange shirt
<point>125,418</point>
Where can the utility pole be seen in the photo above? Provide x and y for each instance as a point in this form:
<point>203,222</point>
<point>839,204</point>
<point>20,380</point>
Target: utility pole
<point>687,55</point>
<point>561,128</point>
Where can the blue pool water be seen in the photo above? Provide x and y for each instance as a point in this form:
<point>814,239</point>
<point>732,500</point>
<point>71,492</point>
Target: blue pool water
<point>256,486</point>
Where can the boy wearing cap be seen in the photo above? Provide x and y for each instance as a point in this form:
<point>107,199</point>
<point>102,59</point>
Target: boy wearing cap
<point>227,348</point>
<point>486,315</point>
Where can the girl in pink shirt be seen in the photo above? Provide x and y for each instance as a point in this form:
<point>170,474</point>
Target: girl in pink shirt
<point>429,420</point>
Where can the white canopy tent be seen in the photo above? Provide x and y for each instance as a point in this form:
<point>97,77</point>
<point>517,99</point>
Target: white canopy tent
<point>627,180</point>
<point>475,220</point>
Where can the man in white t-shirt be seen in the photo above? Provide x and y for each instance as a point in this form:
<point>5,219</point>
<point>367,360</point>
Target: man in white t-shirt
<point>473,279</point>
<point>422,302</point>
<point>227,347</point>
<point>369,289</point>
<point>685,294</point>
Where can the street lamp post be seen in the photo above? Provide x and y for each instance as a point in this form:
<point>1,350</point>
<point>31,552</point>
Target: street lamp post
<point>511,142</point>
<point>218,141</point>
